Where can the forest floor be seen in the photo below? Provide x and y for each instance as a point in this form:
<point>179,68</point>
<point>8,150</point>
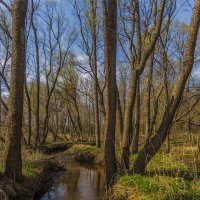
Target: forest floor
<point>169,176</point>
<point>174,175</point>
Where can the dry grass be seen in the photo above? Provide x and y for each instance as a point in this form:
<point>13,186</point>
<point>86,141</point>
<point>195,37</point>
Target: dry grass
<point>31,161</point>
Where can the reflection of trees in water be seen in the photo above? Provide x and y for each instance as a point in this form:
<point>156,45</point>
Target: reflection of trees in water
<point>72,185</point>
<point>82,183</point>
<point>98,184</point>
<point>74,179</point>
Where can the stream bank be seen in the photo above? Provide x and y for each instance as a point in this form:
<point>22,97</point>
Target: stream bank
<point>84,178</point>
<point>53,166</point>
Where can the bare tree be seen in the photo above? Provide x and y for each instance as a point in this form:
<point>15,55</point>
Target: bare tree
<point>139,54</point>
<point>152,147</point>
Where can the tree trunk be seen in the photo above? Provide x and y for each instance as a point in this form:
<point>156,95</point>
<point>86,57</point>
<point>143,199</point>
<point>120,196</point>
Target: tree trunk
<point>148,100</point>
<point>95,78</point>
<point>0,101</point>
<point>128,120</point>
<point>119,117</point>
<point>110,30</point>
<point>190,129</point>
<point>46,122</point>
<point>135,140</point>
<point>29,115</point>
<point>13,163</point>
<point>37,113</point>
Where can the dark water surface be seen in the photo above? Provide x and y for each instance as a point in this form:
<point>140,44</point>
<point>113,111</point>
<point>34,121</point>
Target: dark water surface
<point>79,182</point>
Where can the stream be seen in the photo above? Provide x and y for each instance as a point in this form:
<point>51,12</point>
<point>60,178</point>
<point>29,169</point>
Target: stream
<point>79,182</point>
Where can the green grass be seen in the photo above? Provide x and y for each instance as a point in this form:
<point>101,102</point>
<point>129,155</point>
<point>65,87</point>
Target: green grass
<point>86,149</point>
<point>170,176</point>
<point>94,150</point>
<point>169,165</point>
<point>166,164</point>
<point>31,169</point>
<point>82,150</point>
<point>157,187</point>
<point>142,183</point>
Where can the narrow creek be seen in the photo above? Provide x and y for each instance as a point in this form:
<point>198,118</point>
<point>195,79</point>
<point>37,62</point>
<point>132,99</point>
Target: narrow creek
<point>79,182</point>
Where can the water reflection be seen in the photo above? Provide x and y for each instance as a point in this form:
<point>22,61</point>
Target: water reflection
<point>80,182</point>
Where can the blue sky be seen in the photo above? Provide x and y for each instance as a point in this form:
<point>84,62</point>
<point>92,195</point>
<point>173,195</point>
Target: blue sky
<point>184,8</point>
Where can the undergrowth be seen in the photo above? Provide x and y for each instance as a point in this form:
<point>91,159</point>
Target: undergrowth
<point>171,176</point>
<point>157,187</point>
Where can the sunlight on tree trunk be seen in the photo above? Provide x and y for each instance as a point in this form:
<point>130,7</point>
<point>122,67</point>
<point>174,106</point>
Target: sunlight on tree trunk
<point>13,165</point>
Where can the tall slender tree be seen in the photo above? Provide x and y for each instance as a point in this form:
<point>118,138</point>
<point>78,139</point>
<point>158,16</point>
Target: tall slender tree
<point>13,162</point>
<point>37,113</point>
<point>93,4</point>
<point>138,65</point>
<point>110,30</point>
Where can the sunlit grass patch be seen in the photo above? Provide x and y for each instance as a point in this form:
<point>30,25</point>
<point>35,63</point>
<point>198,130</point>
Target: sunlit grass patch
<point>142,183</point>
<point>169,165</point>
<point>31,169</point>
<point>86,153</point>
<point>157,187</point>
<point>166,164</point>
<point>32,162</point>
<point>85,148</point>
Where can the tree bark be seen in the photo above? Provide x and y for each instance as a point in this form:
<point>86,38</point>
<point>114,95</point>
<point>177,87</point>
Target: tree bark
<point>95,78</point>
<point>13,162</point>
<point>135,140</point>
<point>119,117</point>
<point>148,100</point>
<point>110,30</point>
<point>29,115</point>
